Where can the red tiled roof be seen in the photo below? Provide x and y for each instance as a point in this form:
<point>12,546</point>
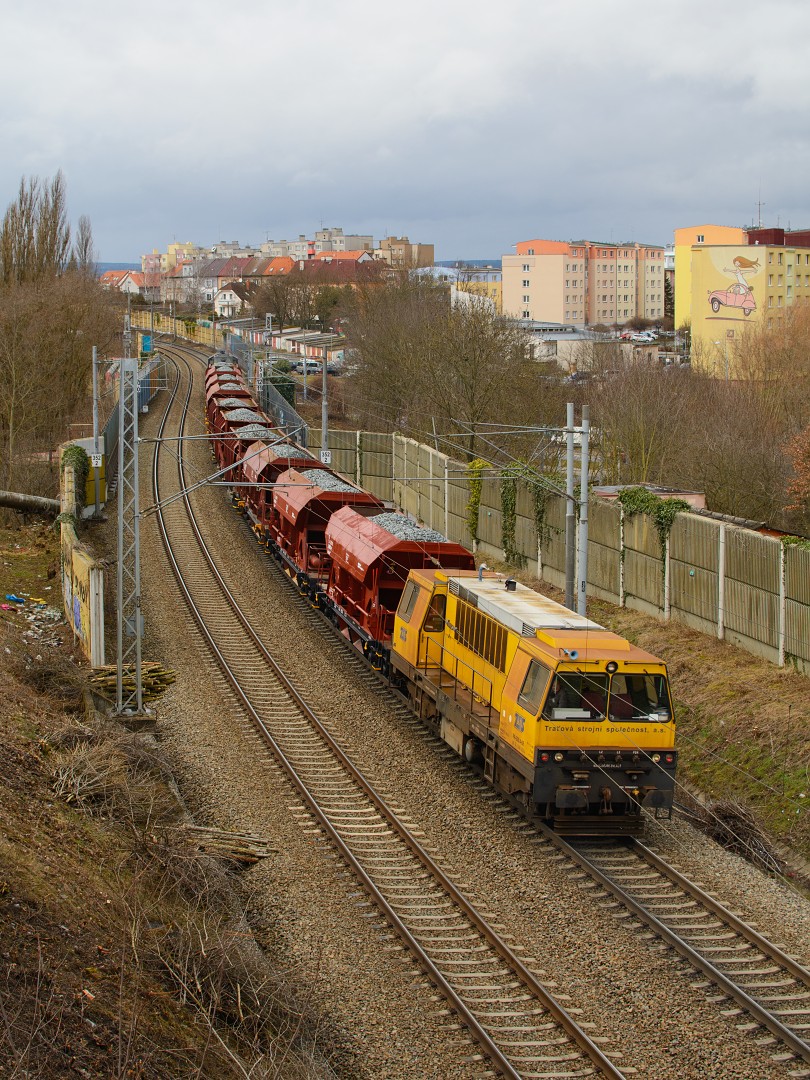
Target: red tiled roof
<point>281,264</point>
<point>113,277</point>
<point>343,256</point>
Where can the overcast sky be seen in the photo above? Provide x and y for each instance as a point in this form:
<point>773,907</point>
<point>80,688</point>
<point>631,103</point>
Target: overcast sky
<point>471,125</point>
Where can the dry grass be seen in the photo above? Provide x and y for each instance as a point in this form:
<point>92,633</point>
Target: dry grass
<point>735,828</point>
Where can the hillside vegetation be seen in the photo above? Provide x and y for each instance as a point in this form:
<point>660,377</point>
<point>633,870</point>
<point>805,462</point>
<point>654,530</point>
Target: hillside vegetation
<point>124,951</point>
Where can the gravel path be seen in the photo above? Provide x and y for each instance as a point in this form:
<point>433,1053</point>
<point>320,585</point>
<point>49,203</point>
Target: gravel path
<point>637,994</point>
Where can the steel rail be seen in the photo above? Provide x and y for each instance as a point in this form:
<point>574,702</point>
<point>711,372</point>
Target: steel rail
<point>765,1018</point>
<point>551,1006</point>
<point>744,929</point>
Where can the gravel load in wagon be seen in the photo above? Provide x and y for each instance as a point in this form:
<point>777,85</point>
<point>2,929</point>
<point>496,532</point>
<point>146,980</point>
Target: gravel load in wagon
<point>231,403</point>
<point>290,450</point>
<point>405,529</point>
<point>232,386</point>
<point>328,481</point>
<point>255,431</point>
<point>243,416</point>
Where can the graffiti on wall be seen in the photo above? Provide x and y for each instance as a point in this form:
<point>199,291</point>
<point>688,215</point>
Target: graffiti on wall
<point>82,596</point>
<point>737,293</point>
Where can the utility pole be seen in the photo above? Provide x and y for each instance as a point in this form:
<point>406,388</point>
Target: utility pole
<point>128,577</point>
<point>570,509</point>
<point>324,409</point>
<point>583,513</point>
<point>96,467</point>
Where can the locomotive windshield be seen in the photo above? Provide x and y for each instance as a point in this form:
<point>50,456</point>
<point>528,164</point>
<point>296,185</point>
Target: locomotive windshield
<point>622,697</point>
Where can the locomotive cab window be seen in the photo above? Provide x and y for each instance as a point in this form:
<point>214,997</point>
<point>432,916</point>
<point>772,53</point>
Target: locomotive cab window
<point>408,601</point>
<point>534,687</point>
<point>576,697</point>
<point>640,697</point>
<point>434,620</point>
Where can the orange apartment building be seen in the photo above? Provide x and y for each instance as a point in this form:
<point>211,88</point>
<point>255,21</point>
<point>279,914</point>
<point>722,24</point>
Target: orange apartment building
<point>583,283</point>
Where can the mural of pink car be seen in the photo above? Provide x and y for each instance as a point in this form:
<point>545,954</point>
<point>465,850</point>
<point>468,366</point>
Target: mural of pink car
<point>734,296</point>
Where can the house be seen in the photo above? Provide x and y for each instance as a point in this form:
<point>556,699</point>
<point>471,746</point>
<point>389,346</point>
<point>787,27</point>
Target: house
<point>130,283</point>
<point>232,299</point>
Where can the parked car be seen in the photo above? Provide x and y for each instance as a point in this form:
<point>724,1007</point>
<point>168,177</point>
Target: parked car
<point>311,366</point>
<point>734,296</point>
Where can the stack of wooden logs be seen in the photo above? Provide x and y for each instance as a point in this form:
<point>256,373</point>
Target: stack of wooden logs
<point>154,680</point>
<point>236,847</point>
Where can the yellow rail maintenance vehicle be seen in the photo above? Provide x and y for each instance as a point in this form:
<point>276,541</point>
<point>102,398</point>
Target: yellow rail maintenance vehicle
<point>570,720</point>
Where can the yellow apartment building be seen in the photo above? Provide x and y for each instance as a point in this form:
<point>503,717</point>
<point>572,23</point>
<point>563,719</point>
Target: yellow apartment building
<point>734,288</point>
<point>685,240</point>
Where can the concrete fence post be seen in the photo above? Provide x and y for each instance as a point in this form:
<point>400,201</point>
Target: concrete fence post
<point>721,582</point>
<point>782,604</point>
<point>621,555</point>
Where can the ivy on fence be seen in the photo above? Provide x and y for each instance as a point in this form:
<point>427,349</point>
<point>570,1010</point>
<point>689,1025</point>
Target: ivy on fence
<point>475,471</point>
<point>75,457</point>
<point>509,516</point>
<point>662,512</point>
<point>796,541</point>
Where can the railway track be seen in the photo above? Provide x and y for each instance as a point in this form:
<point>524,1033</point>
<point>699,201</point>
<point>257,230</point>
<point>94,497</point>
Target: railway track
<point>521,1028</point>
<point>743,973</point>
<point>755,979</point>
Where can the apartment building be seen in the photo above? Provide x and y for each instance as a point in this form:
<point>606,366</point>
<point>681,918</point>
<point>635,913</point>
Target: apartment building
<point>685,240</point>
<point>337,240</point>
<point>583,282</point>
<point>724,290</point>
<point>398,251</point>
<point>324,240</point>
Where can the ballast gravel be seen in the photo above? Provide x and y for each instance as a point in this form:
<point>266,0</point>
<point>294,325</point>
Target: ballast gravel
<point>644,1003</point>
<point>402,526</point>
<point>327,481</point>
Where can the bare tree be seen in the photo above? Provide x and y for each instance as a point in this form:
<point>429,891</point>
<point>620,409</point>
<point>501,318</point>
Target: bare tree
<point>84,256</point>
<point>424,363</point>
<point>35,234</point>
<point>52,311</point>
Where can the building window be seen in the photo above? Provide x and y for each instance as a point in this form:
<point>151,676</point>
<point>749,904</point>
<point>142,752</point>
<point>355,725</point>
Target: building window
<point>526,299</point>
<point>531,251</point>
<point>700,238</point>
<point>780,259</point>
<point>770,258</point>
<point>525,268</point>
<point>770,301</point>
<point>779,279</point>
<point>779,301</point>
<point>789,291</point>
<point>526,315</point>
<point>525,283</point>
<point>770,280</point>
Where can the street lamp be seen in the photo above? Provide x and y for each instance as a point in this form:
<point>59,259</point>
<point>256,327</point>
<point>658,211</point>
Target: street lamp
<point>725,352</point>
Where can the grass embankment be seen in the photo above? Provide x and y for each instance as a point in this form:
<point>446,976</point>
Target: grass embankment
<point>123,950</point>
<point>743,724</point>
